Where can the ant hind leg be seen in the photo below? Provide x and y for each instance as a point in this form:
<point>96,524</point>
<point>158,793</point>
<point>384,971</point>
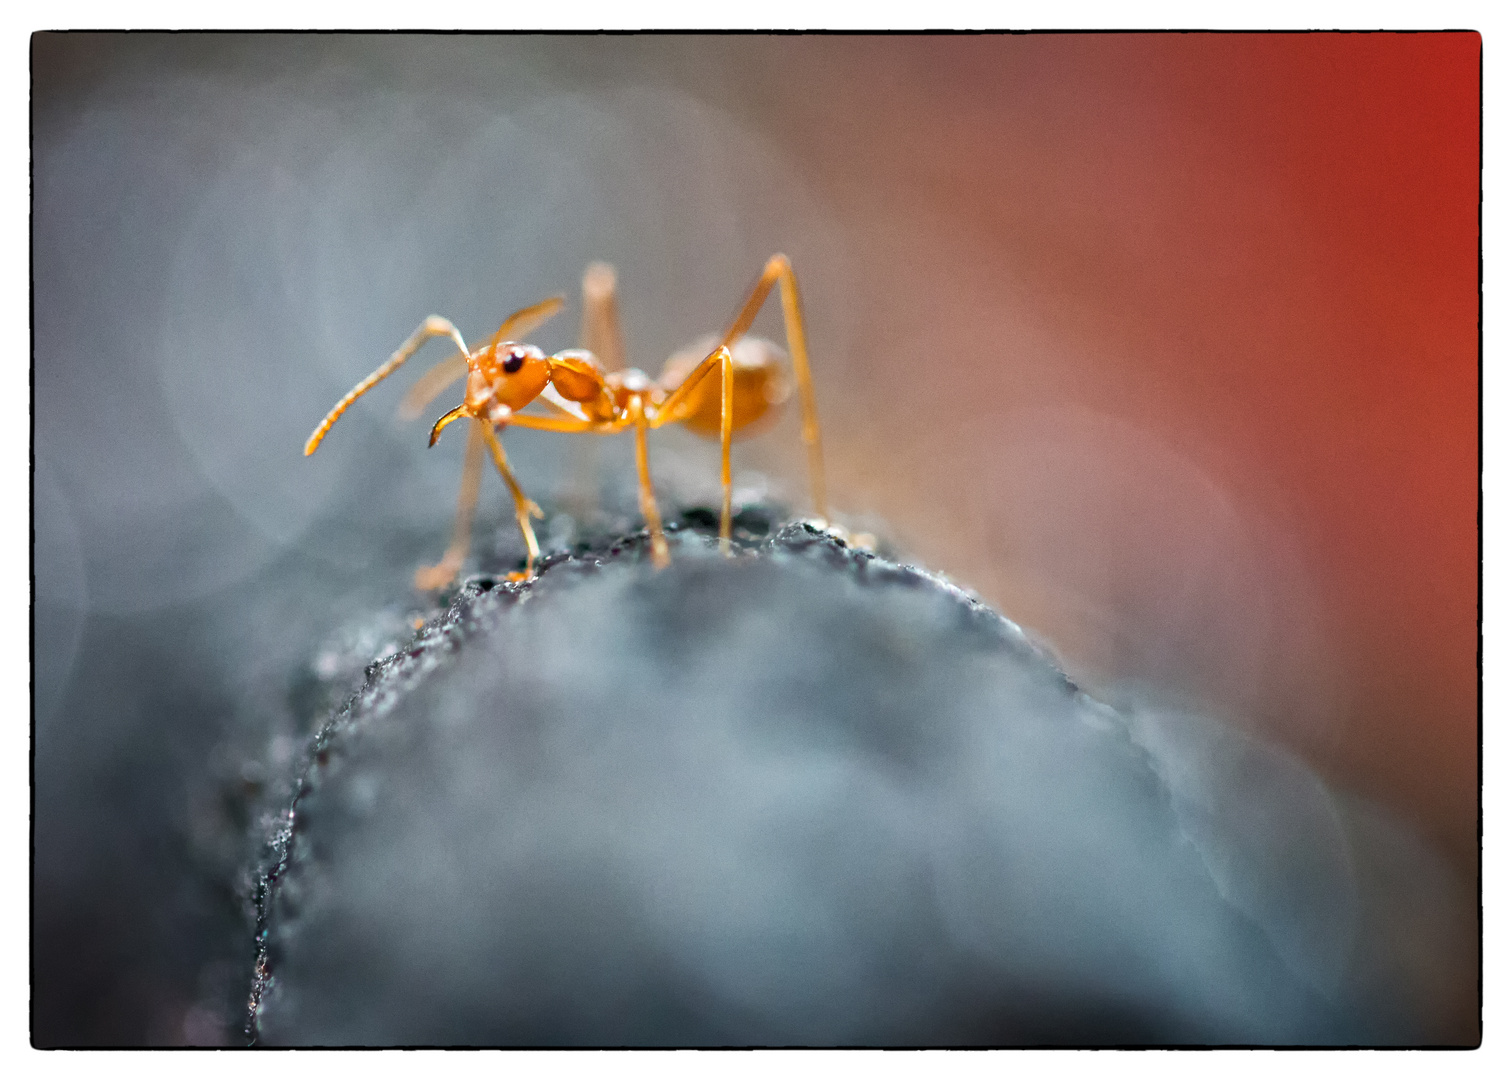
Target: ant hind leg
<point>669,412</point>
<point>779,271</point>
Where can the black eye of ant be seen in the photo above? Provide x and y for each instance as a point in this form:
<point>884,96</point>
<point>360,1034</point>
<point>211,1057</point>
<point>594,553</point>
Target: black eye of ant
<point>514,362</point>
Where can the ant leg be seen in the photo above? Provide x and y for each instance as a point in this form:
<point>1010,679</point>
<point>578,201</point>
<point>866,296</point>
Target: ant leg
<point>439,576</point>
<point>600,333</point>
<point>434,326</point>
<point>726,428</point>
<point>567,423</point>
<point>524,508</point>
<point>668,411</point>
<point>779,270</point>
<point>659,557</point>
<point>525,320</point>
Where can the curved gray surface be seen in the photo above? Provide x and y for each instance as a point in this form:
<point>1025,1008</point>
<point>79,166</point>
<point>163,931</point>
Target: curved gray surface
<point>805,796</point>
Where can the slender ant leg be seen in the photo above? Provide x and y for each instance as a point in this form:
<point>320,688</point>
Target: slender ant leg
<point>779,271</point>
<point>726,429</point>
<point>668,411</point>
<point>569,424</point>
<point>481,433</point>
<point>659,555</point>
<point>524,508</point>
<point>600,333</point>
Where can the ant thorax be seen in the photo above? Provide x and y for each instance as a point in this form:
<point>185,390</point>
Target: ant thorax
<point>634,383</point>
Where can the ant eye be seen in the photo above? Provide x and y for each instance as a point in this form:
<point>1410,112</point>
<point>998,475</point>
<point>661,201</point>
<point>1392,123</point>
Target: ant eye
<point>514,361</point>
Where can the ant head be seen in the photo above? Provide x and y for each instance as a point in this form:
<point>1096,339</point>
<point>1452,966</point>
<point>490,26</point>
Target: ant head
<point>514,374</point>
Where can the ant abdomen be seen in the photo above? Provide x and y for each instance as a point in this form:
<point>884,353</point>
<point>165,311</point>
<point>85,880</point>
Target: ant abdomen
<point>761,386</point>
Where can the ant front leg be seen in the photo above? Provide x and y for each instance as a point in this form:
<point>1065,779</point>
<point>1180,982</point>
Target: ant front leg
<point>669,409</point>
<point>524,508</point>
<point>428,578</point>
<point>779,271</point>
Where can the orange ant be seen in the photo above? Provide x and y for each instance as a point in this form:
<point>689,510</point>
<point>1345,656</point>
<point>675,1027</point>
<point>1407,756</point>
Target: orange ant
<point>505,375</point>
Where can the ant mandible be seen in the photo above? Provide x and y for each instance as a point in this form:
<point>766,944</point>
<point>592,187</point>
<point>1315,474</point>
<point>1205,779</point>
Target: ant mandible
<point>504,375</point>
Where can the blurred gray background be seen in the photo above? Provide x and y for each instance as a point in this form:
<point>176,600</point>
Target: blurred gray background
<point>1084,336</point>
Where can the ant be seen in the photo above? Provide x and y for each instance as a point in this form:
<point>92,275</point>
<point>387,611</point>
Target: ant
<point>504,376</point>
